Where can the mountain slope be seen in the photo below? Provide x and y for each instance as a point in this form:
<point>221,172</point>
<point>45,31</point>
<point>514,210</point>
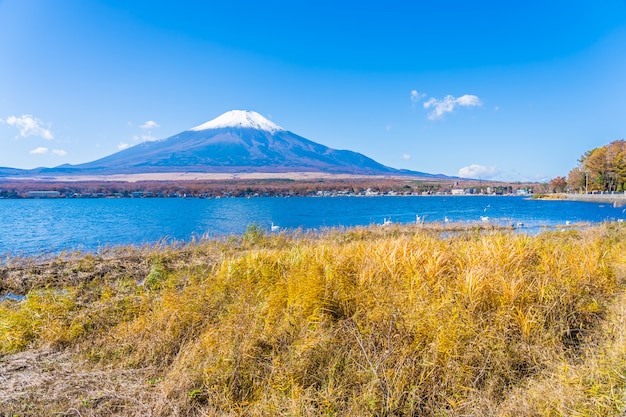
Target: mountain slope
<point>235,142</point>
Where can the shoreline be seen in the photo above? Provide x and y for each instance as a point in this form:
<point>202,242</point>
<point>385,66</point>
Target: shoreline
<point>615,198</point>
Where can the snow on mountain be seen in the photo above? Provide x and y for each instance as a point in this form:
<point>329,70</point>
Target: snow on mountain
<point>235,142</point>
<point>239,119</point>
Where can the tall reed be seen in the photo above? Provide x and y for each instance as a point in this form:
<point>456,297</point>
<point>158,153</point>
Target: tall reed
<point>396,322</point>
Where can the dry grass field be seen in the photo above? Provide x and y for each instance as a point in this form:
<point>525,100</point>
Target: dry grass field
<point>378,321</point>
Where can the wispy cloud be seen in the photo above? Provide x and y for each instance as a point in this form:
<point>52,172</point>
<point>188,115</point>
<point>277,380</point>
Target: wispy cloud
<point>150,124</point>
<point>145,136</point>
<point>43,150</point>
<point>416,96</point>
<point>439,107</point>
<point>448,104</point>
<point>478,171</point>
<point>468,100</point>
<point>30,126</point>
<point>406,156</point>
<point>39,151</point>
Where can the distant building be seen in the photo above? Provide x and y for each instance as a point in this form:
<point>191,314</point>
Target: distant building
<point>458,191</point>
<point>43,194</point>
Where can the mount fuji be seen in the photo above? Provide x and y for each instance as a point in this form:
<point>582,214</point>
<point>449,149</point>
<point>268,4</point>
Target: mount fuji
<point>236,142</point>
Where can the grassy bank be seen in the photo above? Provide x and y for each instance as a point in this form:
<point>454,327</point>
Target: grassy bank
<point>619,199</point>
<point>398,321</point>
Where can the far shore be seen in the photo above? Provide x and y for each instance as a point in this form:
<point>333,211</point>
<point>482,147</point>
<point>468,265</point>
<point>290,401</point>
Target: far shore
<point>613,198</point>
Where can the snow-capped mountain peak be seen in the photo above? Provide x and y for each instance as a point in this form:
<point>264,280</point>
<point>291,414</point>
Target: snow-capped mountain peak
<point>239,119</point>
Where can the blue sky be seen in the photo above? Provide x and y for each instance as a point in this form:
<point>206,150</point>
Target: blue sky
<point>511,90</point>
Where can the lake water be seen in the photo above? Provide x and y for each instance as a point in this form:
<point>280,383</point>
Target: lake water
<point>49,226</point>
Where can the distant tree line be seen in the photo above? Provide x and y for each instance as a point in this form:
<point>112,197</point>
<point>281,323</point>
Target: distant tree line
<point>600,169</point>
<point>217,188</point>
<point>253,188</point>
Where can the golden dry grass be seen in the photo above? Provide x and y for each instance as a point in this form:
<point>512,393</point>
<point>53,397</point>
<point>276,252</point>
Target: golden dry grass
<point>399,321</point>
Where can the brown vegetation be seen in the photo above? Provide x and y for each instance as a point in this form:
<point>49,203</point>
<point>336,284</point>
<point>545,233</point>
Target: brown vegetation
<point>252,187</point>
<point>382,321</point>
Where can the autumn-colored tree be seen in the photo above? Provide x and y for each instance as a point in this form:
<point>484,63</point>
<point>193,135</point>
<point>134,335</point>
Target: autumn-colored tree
<point>620,169</point>
<point>576,180</point>
<point>595,167</point>
<point>558,185</point>
<point>605,167</point>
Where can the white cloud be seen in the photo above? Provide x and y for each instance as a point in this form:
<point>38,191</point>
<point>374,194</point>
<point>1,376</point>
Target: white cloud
<point>59,152</point>
<point>406,156</point>
<point>30,126</point>
<point>39,151</point>
<point>440,106</point>
<point>144,138</point>
<point>448,104</point>
<point>468,100</point>
<point>478,171</point>
<point>150,124</point>
<point>416,96</point>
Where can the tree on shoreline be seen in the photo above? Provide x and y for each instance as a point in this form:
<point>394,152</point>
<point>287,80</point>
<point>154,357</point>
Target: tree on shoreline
<point>601,169</point>
<point>558,185</point>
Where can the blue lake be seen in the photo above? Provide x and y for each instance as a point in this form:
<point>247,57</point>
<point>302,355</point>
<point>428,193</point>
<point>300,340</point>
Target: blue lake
<point>49,226</point>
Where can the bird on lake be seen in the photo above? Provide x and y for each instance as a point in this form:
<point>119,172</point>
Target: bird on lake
<point>275,228</point>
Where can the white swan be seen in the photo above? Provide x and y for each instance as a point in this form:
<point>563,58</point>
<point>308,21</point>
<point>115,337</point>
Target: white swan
<point>275,227</point>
